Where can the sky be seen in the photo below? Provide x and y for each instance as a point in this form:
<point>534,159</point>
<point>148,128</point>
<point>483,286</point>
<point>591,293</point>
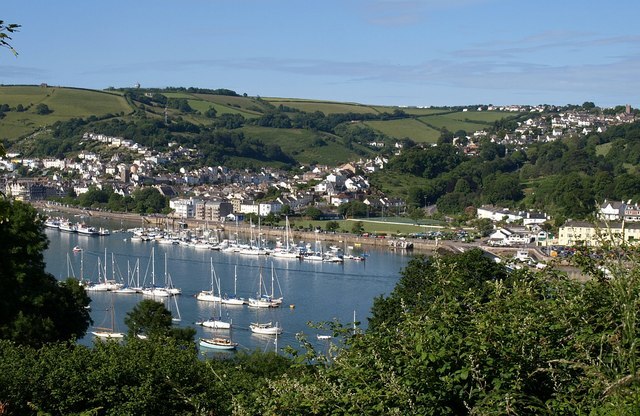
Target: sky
<point>377,52</point>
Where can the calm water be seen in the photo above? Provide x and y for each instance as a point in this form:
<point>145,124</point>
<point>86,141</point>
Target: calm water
<point>319,291</point>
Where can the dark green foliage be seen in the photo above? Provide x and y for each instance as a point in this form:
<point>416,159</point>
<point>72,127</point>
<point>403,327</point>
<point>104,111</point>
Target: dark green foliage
<point>150,377</point>
<point>459,336</point>
<point>181,104</point>
<point>428,163</point>
<point>229,121</point>
<point>149,200</point>
<point>210,113</point>
<point>353,209</point>
<point>43,109</point>
<point>5,30</point>
<point>35,308</point>
<point>312,213</point>
<point>332,226</point>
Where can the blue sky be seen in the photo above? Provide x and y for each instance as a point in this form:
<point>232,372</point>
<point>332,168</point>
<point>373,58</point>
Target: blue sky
<point>391,52</point>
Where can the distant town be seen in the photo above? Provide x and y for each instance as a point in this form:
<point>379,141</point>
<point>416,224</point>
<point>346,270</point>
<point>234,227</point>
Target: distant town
<point>222,194</point>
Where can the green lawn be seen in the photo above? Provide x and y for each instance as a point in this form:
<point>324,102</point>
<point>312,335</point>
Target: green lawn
<point>389,225</point>
<point>452,124</point>
<point>482,116</point>
<point>411,128</point>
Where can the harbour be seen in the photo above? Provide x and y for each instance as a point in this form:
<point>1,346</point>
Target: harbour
<point>311,291</point>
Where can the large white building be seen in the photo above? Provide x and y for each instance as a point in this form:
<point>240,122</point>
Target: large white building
<point>589,234</point>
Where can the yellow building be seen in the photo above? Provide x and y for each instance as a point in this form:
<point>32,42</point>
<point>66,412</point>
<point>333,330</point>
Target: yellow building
<point>594,234</point>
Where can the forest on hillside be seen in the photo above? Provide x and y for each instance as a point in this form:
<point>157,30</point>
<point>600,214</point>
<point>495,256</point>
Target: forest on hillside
<point>565,178</point>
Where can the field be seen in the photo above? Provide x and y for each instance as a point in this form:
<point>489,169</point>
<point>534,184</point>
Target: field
<point>302,144</point>
<point>451,124</point>
<point>411,128</point>
<point>222,103</point>
<point>325,107</point>
<point>603,149</point>
<point>65,103</point>
<point>396,184</point>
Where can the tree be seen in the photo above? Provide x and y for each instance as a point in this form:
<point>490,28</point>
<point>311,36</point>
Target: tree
<point>5,30</point>
<point>152,319</point>
<point>148,317</point>
<point>353,209</point>
<point>312,213</point>
<point>35,308</point>
<point>460,335</point>
<point>357,227</point>
<point>210,113</point>
<point>43,109</point>
<point>149,200</point>
<point>416,214</point>
<point>332,226</point>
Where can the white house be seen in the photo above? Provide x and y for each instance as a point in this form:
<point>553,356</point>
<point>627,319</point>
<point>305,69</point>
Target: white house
<point>509,237</point>
<point>183,208</point>
<point>612,210</point>
<point>266,208</point>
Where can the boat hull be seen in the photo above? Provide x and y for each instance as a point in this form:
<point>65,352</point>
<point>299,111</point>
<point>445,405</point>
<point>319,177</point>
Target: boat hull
<point>218,343</point>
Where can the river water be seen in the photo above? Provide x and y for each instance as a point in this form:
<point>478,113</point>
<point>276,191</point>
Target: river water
<point>312,291</point>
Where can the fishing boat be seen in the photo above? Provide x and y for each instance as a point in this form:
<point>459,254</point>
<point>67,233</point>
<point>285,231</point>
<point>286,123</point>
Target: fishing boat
<point>85,229</point>
<point>67,226</point>
<point>52,223</point>
<point>218,343</point>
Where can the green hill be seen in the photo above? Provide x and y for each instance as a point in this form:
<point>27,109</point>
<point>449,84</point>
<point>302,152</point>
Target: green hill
<point>307,131</point>
<point>64,103</point>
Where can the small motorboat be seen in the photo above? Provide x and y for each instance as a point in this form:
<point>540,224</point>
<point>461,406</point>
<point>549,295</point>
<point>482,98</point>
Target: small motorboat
<point>77,249</point>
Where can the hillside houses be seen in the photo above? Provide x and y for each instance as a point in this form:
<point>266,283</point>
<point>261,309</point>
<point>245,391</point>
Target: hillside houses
<point>497,214</point>
<point>619,211</point>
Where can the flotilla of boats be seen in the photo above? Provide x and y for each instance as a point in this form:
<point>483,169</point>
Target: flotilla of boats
<point>65,225</point>
<point>286,249</point>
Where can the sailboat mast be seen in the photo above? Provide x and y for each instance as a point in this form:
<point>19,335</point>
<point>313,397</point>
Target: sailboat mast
<point>105,265</point>
<point>235,280</point>
<point>272,281</point>
<point>354,322</point>
<point>153,267</point>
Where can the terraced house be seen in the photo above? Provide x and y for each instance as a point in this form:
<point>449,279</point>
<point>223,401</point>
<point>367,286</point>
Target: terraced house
<point>583,233</point>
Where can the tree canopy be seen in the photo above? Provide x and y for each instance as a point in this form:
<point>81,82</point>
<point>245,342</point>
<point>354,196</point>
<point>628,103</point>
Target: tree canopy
<point>35,308</point>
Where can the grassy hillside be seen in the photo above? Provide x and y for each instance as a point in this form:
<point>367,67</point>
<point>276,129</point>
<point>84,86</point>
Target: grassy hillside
<point>305,145</point>
<point>411,128</point>
<point>65,103</point>
<point>326,107</point>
